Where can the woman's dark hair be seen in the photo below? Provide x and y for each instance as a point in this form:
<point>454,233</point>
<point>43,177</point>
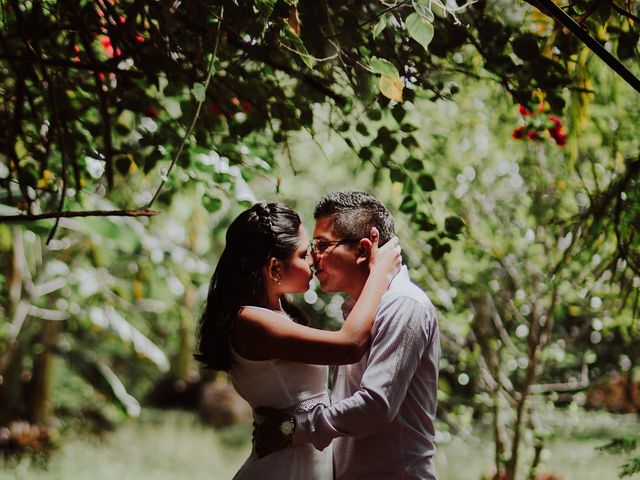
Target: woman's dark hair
<point>263,231</point>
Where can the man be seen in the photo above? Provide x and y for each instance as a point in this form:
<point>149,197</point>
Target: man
<point>381,419</point>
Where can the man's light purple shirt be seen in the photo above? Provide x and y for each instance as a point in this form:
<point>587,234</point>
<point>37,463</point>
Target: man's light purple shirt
<point>383,407</point>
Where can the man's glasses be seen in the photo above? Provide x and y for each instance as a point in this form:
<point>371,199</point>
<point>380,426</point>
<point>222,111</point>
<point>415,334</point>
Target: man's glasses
<point>320,246</point>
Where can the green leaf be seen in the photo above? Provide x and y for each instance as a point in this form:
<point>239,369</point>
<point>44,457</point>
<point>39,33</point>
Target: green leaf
<point>361,128</point>
<point>294,42</point>
<point>374,114</point>
<point>408,187</point>
<point>602,14</point>
<point>420,30</point>
<point>422,220</point>
<point>526,46</point>
<point>102,378</point>
<point>172,107</point>
<point>627,42</point>
<point>398,112</point>
<point>344,127</point>
<point>123,163</point>
<point>109,319</point>
<point>414,164</point>
<point>28,175</point>
<point>397,175</point>
<point>383,67</point>
<point>630,468</point>
<point>389,145</point>
<point>422,9</point>
<point>199,92</point>
<point>408,205</point>
<point>426,182</point>
<point>212,204</point>
<point>453,225</point>
<point>383,134</point>
<point>365,153</point>
<point>121,234</point>
<point>410,141</point>
<point>389,83</point>
<point>427,226</point>
<point>380,26</point>
<point>619,445</point>
<point>438,251</point>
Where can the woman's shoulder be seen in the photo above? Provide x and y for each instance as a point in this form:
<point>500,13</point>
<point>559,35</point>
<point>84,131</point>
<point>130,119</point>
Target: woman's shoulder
<point>256,314</point>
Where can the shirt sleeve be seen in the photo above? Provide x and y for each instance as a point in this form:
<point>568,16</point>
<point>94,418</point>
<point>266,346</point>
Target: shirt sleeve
<point>399,340</point>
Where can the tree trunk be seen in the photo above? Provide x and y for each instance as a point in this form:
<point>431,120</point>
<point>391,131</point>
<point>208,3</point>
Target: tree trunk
<point>11,388</point>
<point>41,386</point>
<point>11,358</point>
<point>183,358</point>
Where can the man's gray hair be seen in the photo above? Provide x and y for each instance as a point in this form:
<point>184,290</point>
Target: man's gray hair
<point>354,213</point>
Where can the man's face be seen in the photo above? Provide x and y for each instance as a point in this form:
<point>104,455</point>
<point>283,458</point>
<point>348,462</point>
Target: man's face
<point>333,263</point>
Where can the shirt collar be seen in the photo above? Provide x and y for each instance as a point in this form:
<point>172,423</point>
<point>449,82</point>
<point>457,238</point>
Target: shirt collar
<point>401,278</point>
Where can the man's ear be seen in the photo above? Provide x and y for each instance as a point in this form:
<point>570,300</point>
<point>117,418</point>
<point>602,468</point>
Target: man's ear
<point>364,250</point>
<point>273,270</point>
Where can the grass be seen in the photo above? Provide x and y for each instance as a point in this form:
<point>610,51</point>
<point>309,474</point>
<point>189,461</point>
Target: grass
<point>175,445</point>
<point>571,459</point>
<point>158,446</point>
<point>570,450</point>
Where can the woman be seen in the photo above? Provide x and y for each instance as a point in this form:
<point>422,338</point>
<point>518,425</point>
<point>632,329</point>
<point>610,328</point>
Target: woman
<point>250,329</point>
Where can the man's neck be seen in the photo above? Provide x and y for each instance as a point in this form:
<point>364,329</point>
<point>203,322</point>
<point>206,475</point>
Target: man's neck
<point>357,285</point>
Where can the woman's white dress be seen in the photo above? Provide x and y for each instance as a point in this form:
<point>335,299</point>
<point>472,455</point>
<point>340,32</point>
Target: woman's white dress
<point>286,385</point>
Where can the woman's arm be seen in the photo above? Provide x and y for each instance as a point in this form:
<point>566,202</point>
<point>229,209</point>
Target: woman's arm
<point>261,334</point>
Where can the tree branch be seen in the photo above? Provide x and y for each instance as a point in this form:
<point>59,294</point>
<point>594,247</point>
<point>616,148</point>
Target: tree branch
<point>212,67</point>
<point>549,8</point>
<point>580,384</point>
<point>624,12</point>
<point>58,126</point>
<point>599,207</point>
<point>58,62</point>
<point>104,105</point>
<point>258,55</point>
<point>144,212</point>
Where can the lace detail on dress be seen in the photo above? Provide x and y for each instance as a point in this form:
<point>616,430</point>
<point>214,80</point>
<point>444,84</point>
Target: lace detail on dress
<point>307,404</point>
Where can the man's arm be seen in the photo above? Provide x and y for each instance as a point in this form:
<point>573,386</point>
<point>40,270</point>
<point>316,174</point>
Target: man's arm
<point>396,350</point>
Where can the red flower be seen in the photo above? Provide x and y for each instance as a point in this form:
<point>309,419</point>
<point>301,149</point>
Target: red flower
<point>524,111</point>
<point>533,135</point>
<point>76,48</point>
<point>518,133</point>
<point>246,106</point>
<point>558,134</point>
<point>235,101</point>
<point>101,76</point>
<point>561,140</point>
<point>214,109</point>
<point>106,45</point>
<point>152,112</point>
<point>556,121</point>
<point>139,38</point>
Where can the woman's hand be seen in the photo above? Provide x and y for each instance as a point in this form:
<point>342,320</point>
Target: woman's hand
<point>384,261</point>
